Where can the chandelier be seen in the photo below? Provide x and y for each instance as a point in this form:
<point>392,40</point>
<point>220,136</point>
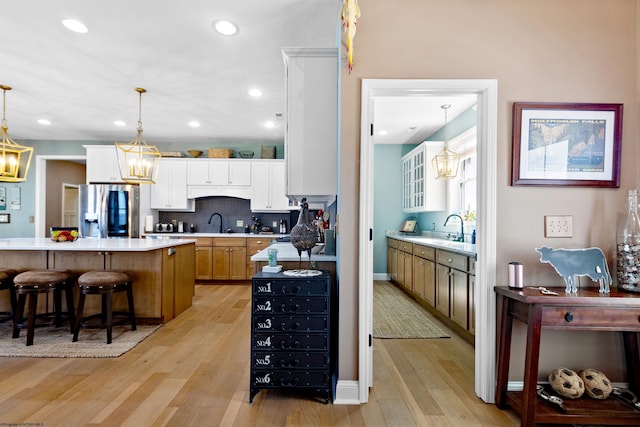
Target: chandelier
<point>445,163</point>
<point>14,158</point>
<point>138,162</point>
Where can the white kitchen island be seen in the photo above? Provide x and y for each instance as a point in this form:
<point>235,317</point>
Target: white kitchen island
<point>163,270</point>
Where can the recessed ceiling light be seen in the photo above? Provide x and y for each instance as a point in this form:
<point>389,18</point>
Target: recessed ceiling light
<point>75,26</point>
<point>255,92</point>
<point>194,124</point>
<point>44,122</point>
<point>224,27</point>
<point>269,124</point>
<point>119,123</point>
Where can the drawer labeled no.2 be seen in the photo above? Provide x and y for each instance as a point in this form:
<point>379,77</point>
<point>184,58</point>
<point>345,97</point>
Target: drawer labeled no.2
<point>269,323</point>
<point>288,360</point>
<point>290,305</point>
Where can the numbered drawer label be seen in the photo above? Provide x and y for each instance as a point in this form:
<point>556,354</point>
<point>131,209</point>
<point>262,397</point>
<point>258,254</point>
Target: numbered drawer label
<point>290,305</point>
<point>285,360</point>
<point>289,379</point>
<point>268,323</point>
<point>289,287</point>
<point>289,341</point>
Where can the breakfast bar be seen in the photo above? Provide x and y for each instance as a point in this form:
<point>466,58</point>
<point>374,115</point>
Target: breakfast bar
<point>163,270</point>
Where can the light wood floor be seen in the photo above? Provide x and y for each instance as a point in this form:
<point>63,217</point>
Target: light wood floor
<point>195,372</point>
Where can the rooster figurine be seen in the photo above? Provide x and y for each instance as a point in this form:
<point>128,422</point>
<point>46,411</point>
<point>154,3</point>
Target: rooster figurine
<point>304,235</point>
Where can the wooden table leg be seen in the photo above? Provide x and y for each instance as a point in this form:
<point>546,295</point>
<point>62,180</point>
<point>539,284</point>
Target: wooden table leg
<point>504,352</point>
<point>529,396</point>
<point>632,359</point>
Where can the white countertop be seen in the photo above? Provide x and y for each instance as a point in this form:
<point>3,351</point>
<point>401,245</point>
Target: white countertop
<point>196,235</point>
<point>287,252</point>
<point>461,247</point>
<point>113,244</point>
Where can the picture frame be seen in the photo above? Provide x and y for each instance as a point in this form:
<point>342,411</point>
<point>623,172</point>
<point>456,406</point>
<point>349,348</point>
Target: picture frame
<point>566,144</point>
<point>409,226</point>
<point>5,218</point>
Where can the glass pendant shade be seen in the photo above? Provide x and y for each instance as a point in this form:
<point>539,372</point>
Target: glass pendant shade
<point>14,158</point>
<point>445,163</point>
<point>138,161</point>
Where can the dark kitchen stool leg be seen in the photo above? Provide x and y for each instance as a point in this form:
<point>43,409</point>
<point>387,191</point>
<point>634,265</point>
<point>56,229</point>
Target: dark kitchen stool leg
<point>34,282</point>
<point>6,283</point>
<point>104,283</point>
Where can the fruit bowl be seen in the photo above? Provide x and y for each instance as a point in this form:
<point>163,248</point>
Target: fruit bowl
<point>64,234</point>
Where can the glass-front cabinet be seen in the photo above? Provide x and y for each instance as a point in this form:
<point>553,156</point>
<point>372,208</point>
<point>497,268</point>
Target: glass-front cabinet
<point>421,191</point>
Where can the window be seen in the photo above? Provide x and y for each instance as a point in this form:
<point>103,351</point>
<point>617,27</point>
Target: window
<point>462,188</point>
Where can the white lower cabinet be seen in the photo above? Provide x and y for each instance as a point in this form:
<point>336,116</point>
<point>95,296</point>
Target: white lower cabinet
<point>269,187</point>
<point>170,190</point>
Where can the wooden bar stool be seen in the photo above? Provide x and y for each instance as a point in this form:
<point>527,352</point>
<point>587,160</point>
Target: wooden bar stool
<point>34,282</point>
<point>104,283</point>
<point>6,283</point>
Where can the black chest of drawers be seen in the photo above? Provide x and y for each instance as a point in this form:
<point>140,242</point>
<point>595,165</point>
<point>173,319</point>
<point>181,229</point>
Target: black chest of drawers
<point>293,334</point>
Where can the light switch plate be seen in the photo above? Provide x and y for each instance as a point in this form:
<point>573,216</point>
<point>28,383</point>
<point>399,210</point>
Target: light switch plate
<point>239,223</point>
<point>558,226</point>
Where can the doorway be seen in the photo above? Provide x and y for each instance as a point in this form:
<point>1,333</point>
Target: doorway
<point>486,91</point>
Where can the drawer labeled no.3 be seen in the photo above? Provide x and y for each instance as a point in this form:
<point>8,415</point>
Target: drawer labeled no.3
<point>269,323</point>
<point>288,360</point>
<point>290,305</point>
<point>289,341</point>
<point>289,287</point>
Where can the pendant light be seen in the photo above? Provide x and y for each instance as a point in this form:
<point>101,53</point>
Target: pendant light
<point>445,163</point>
<point>14,158</point>
<point>138,161</point>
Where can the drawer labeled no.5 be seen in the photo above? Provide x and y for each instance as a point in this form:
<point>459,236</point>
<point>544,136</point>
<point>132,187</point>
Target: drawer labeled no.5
<point>269,323</point>
<point>287,360</point>
<point>289,341</point>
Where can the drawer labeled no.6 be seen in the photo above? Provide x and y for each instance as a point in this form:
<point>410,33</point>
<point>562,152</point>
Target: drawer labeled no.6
<point>282,378</point>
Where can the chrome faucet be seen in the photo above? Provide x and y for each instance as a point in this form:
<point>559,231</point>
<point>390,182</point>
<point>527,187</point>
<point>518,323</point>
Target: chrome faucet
<point>460,237</point>
<point>218,215</point>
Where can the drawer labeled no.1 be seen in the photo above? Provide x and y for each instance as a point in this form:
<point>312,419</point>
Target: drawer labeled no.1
<point>289,287</point>
<point>287,360</point>
<point>280,341</point>
<point>270,323</point>
<point>290,305</point>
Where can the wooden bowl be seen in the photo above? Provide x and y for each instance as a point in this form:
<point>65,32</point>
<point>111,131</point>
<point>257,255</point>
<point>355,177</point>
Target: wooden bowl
<point>195,153</point>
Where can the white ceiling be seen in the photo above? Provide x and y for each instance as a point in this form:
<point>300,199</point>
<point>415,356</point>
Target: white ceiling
<point>82,83</point>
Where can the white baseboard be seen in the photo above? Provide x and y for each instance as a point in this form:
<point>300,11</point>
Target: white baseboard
<point>347,393</point>
<point>519,385</point>
<point>380,276</point>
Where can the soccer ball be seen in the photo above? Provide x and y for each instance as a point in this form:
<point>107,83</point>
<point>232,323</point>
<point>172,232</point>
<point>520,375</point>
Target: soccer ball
<point>566,383</point>
<point>596,384</point>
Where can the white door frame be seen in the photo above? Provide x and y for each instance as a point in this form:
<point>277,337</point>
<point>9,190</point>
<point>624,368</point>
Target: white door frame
<point>485,338</point>
<point>41,186</point>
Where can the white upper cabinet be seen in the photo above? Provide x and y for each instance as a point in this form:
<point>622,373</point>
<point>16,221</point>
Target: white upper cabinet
<point>219,173</point>
<point>421,191</point>
<point>268,187</point>
<point>311,128</point>
<point>170,190</point>
<point>102,164</point>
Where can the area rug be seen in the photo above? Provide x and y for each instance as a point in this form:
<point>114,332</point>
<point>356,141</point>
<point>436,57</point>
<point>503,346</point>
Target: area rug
<point>397,315</point>
<point>56,342</point>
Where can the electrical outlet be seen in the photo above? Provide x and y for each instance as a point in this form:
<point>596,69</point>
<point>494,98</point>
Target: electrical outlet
<point>558,226</point>
<point>274,224</point>
<point>240,223</point>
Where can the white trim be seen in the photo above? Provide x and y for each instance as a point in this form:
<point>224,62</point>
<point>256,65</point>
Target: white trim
<point>347,393</point>
<point>486,225</point>
<point>381,276</point>
<point>41,185</point>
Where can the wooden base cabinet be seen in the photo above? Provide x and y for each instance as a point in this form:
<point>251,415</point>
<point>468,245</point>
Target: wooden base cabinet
<point>424,273</point>
<point>293,335</point>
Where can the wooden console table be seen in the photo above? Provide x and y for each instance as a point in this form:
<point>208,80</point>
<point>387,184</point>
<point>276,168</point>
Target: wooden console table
<point>586,311</point>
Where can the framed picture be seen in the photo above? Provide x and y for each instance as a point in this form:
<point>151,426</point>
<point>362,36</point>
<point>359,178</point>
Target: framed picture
<point>409,226</point>
<point>5,218</point>
<point>566,144</point>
